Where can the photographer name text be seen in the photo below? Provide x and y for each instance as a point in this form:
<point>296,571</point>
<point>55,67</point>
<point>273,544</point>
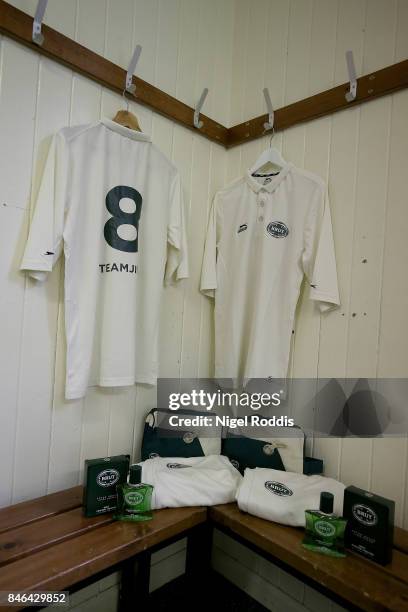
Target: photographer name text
<point>214,420</point>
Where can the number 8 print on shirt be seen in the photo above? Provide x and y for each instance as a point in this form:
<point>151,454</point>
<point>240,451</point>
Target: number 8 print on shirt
<point>119,217</point>
<point>113,203</point>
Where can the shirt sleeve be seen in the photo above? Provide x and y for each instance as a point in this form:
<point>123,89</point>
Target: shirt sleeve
<point>209,268</point>
<point>319,261</point>
<point>177,255</point>
<point>44,243</point>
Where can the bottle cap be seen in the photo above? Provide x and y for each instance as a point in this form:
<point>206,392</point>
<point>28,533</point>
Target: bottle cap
<point>135,474</point>
<point>326,502</point>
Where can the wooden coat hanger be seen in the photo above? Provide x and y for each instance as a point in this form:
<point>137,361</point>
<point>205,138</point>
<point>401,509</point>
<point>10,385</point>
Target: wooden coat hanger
<point>271,158</point>
<point>127,118</point>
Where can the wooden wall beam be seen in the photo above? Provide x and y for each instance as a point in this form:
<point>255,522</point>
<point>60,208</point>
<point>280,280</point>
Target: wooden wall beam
<point>369,87</point>
<point>19,25</point>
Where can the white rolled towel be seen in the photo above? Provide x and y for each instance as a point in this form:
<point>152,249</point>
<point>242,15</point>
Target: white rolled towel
<point>192,481</point>
<point>283,497</point>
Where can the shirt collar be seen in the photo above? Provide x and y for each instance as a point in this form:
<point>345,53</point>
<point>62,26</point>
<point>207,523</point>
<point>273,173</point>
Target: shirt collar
<point>271,186</point>
<point>124,131</point>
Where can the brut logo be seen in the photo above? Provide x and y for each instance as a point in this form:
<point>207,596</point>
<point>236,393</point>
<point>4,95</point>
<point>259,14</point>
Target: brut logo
<point>325,529</point>
<point>277,229</point>
<point>278,488</point>
<point>133,498</point>
<point>364,515</point>
<point>177,465</point>
<point>107,478</point>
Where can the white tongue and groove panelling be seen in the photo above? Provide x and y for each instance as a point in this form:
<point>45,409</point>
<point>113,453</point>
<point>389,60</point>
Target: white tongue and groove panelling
<point>234,47</point>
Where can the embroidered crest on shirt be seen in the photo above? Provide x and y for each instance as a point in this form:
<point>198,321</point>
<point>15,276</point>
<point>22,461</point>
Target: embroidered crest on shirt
<point>278,488</point>
<point>277,229</point>
<point>242,228</point>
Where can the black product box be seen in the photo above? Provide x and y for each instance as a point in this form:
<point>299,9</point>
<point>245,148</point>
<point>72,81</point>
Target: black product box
<point>370,524</point>
<point>312,466</point>
<point>101,479</point>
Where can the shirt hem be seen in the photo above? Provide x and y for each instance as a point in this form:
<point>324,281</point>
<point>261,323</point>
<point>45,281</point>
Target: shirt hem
<point>35,265</point>
<point>78,393</point>
<point>326,302</point>
<point>208,291</point>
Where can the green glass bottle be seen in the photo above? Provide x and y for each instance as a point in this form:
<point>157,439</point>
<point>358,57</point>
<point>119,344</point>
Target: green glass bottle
<point>325,530</point>
<point>134,498</point>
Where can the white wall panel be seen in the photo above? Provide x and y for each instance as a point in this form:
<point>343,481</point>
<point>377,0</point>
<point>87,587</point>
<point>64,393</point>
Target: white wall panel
<point>239,64</point>
<point>18,66</point>
<point>91,12</point>
<point>276,50</point>
<point>196,233</point>
<point>188,51</point>
<point>146,14</point>
<point>37,366</point>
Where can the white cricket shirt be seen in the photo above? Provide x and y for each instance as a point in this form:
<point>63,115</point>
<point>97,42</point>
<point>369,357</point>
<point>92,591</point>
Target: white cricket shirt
<point>283,497</point>
<point>192,481</point>
<point>113,203</point>
<point>264,234</point>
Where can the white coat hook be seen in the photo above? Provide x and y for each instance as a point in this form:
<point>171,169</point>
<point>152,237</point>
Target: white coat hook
<point>351,95</point>
<point>268,125</point>
<point>37,36</point>
<point>130,87</point>
<point>197,123</point>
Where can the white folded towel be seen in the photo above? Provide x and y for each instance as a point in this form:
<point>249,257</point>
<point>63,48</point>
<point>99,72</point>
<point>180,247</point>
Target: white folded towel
<point>283,497</point>
<point>192,481</point>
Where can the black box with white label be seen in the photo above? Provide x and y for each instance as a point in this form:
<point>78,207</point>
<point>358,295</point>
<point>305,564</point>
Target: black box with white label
<point>101,479</point>
<point>370,524</point>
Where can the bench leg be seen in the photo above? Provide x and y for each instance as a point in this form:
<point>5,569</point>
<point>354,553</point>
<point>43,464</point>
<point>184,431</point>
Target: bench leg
<point>135,581</point>
<point>198,557</point>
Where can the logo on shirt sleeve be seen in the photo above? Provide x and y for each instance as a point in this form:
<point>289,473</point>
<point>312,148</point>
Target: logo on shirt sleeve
<point>277,229</point>
<point>242,228</point>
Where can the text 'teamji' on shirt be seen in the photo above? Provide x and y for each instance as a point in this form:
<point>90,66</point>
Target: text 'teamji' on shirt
<point>113,203</point>
<point>264,234</point>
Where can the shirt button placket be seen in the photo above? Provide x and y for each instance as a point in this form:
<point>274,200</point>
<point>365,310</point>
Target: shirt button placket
<point>261,201</point>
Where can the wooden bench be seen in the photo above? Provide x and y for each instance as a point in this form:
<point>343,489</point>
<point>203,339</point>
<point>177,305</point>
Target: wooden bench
<point>48,545</point>
<point>353,582</point>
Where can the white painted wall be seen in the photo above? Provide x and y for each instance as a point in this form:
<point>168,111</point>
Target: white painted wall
<point>235,47</point>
